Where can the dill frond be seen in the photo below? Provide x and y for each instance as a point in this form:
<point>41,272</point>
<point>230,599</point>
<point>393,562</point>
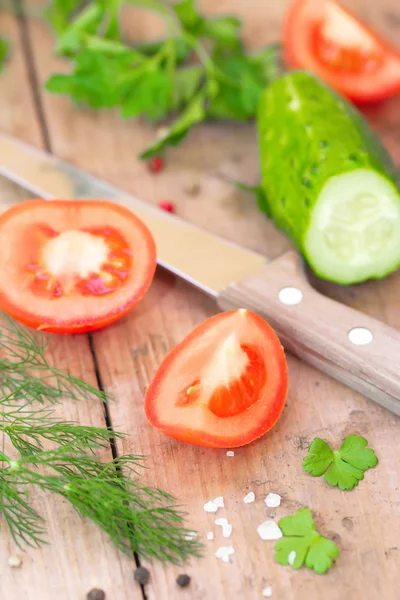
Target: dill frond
<point>60,457</point>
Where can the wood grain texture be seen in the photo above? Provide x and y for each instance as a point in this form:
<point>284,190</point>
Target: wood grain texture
<point>316,330</point>
<point>78,556</point>
<point>364,522</point>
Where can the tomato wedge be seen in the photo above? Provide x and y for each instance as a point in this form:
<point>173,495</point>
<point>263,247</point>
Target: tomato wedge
<point>69,266</point>
<point>223,386</point>
<point>325,38</point>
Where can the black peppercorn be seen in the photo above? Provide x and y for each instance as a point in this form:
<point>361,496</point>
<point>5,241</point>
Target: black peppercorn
<point>142,575</point>
<point>183,580</point>
<point>96,594</point>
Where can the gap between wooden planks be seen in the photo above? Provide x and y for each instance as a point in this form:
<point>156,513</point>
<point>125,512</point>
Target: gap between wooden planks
<point>79,556</point>
<point>129,353</point>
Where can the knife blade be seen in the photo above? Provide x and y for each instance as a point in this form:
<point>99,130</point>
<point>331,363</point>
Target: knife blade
<point>48,177</point>
<point>355,349</point>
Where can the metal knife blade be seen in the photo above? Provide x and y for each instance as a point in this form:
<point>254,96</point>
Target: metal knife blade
<point>202,258</point>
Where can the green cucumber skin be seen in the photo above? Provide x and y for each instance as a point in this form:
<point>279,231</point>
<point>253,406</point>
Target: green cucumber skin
<point>302,149</point>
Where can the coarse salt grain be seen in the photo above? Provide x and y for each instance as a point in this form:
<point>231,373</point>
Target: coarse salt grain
<point>224,552</point>
<point>267,592</point>
<point>226,530</point>
<point>249,498</point>
<point>15,561</point>
<point>230,453</point>
<point>273,500</point>
<point>291,557</point>
<point>221,521</point>
<point>210,507</point>
<point>210,535</point>
<point>219,502</point>
<point>269,530</point>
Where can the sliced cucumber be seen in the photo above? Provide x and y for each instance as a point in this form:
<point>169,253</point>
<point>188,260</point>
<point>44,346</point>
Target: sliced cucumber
<point>329,183</point>
<point>354,231</point>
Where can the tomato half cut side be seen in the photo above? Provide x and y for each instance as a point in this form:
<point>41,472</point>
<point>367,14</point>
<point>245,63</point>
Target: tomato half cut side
<point>325,38</point>
<point>69,266</point>
<point>223,386</point>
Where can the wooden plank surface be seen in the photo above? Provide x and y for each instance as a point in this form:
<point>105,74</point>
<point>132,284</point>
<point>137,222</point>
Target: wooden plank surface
<point>78,556</point>
<point>365,522</point>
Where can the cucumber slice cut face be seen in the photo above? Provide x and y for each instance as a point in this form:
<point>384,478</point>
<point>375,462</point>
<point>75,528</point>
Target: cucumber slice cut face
<point>354,231</point>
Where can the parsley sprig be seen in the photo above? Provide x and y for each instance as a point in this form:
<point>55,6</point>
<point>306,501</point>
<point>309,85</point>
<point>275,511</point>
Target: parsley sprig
<point>302,544</point>
<point>199,71</point>
<point>344,467</point>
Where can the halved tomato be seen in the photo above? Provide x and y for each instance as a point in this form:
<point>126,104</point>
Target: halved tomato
<point>69,266</point>
<point>325,38</point>
<point>223,386</point>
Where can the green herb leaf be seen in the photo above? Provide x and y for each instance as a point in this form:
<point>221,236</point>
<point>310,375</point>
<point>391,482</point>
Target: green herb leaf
<point>302,544</point>
<point>181,49</point>
<point>150,95</point>
<point>100,79</point>
<point>344,467</point>
<point>72,36</point>
<point>137,518</point>
<point>4,49</point>
<point>162,78</point>
<point>240,89</point>
<point>188,15</point>
<point>193,114</point>
<point>224,30</point>
<point>267,61</point>
<point>60,12</point>
<point>187,82</point>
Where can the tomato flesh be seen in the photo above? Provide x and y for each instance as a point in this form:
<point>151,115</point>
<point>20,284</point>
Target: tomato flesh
<point>223,386</point>
<point>72,266</point>
<point>57,266</point>
<point>325,38</point>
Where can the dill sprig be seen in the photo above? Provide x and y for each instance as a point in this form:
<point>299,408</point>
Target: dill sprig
<point>60,457</point>
<point>25,369</point>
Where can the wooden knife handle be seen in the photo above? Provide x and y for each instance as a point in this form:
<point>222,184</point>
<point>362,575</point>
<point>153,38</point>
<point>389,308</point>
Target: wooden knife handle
<point>352,347</point>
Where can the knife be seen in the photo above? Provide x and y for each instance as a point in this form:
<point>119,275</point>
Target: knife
<point>355,349</point>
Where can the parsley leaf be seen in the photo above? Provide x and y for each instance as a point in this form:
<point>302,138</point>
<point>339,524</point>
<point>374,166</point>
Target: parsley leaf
<point>193,114</point>
<point>187,82</point>
<point>188,16</point>
<point>100,80</point>
<point>344,467</point>
<point>60,12</point>
<point>199,71</point>
<point>150,96</point>
<point>224,30</point>
<point>302,544</point>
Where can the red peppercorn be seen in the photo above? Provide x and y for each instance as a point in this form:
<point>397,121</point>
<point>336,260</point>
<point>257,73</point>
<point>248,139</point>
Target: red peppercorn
<point>156,164</point>
<point>167,205</point>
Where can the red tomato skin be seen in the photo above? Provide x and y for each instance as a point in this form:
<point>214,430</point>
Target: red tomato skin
<point>295,26</point>
<point>84,326</point>
<point>194,437</point>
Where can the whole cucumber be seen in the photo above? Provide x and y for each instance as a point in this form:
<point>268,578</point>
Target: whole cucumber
<point>329,183</point>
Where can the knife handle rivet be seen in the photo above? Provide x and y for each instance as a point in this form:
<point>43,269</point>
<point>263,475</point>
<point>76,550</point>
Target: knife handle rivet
<point>360,336</point>
<point>290,296</point>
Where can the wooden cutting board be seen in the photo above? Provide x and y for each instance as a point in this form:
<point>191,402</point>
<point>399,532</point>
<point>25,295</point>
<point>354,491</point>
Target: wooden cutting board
<point>365,523</point>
